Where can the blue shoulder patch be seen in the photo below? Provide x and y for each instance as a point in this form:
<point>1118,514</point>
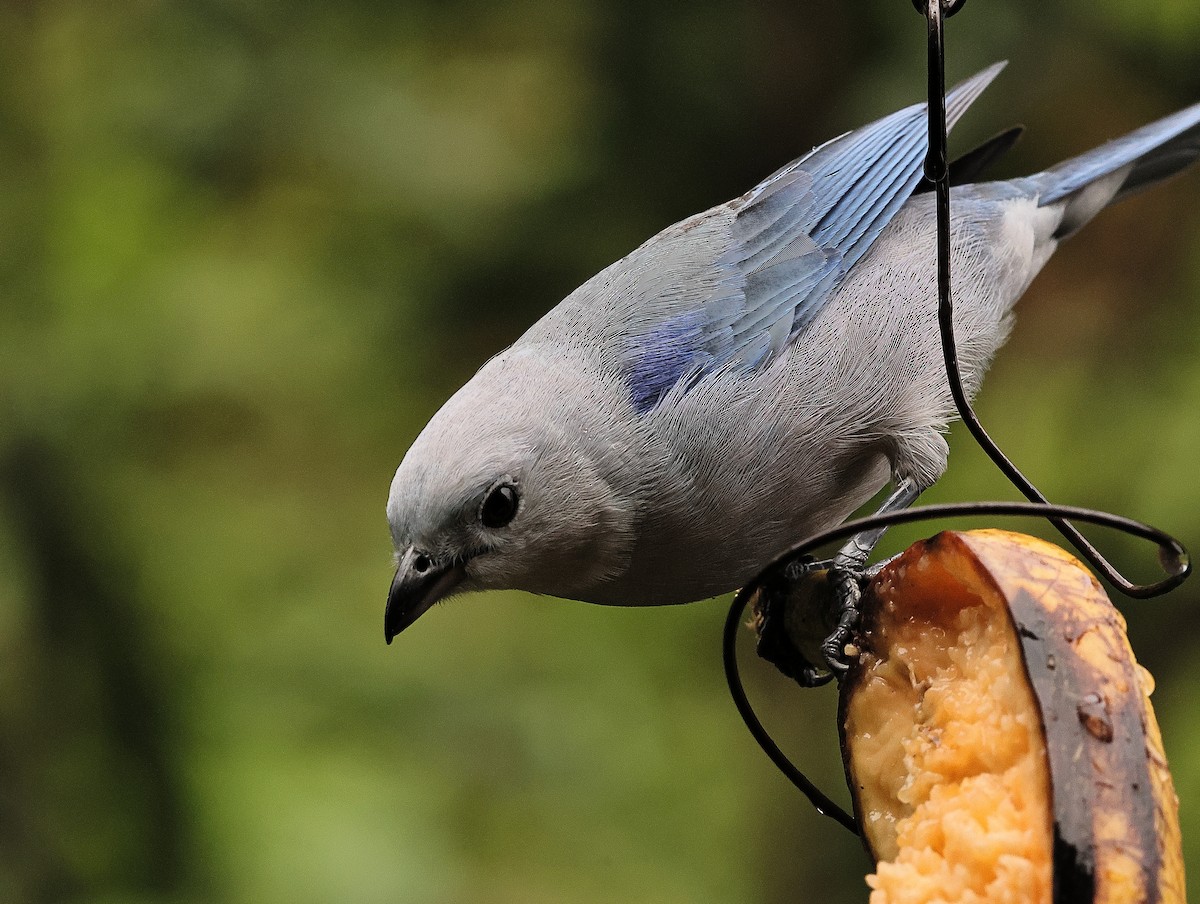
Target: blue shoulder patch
<point>662,357</point>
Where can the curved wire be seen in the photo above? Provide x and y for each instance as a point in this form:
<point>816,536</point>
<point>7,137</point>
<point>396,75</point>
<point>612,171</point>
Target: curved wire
<point>965,510</point>
<point>816,797</point>
<point>1172,555</point>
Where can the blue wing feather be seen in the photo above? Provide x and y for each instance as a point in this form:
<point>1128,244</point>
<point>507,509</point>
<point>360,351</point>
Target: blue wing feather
<point>794,238</point>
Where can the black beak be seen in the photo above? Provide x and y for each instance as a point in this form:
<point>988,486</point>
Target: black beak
<point>413,593</point>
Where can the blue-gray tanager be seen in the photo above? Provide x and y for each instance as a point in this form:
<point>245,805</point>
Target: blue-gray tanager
<point>745,378</point>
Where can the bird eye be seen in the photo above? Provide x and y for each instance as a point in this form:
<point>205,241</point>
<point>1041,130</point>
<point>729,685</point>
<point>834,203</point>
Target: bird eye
<point>500,506</point>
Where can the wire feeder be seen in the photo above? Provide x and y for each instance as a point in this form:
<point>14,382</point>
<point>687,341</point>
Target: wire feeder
<point>1172,555</point>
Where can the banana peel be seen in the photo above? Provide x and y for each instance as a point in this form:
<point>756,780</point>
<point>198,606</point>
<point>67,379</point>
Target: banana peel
<point>997,733</point>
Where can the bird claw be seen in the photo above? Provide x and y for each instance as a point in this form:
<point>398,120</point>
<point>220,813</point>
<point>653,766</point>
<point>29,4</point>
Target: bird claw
<point>837,648</point>
<point>811,676</point>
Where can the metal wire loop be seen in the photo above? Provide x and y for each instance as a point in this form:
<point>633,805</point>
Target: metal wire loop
<point>733,621</point>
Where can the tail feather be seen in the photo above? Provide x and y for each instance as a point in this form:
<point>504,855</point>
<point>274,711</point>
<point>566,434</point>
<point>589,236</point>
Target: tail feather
<point>1149,155</point>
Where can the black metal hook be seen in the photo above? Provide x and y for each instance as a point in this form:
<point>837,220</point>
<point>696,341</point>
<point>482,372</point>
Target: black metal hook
<point>949,7</point>
<point>1172,554</point>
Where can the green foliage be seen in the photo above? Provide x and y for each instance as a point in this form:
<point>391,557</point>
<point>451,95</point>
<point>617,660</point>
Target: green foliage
<point>248,250</point>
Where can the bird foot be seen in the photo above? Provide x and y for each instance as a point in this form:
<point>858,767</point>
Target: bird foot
<point>775,619</point>
<point>806,619</point>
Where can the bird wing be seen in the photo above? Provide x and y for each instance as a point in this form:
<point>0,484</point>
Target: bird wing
<point>794,238</point>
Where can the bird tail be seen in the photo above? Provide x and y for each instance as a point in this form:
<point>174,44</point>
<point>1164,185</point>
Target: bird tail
<point>1090,182</point>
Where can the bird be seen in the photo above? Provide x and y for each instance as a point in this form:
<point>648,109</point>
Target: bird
<point>745,378</point>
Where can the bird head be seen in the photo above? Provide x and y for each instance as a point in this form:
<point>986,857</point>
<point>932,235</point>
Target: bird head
<point>514,484</point>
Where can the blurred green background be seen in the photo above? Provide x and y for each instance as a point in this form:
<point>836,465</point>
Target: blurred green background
<point>247,249</point>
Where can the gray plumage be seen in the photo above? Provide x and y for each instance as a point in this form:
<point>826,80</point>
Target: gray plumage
<point>745,378</point>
